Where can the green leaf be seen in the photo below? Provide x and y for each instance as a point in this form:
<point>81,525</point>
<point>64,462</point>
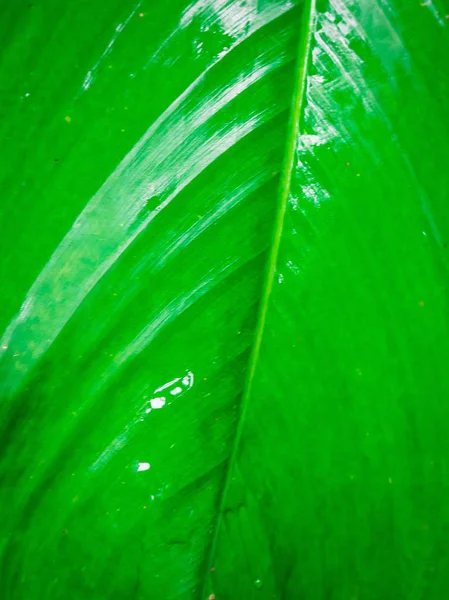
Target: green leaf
<point>224,299</point>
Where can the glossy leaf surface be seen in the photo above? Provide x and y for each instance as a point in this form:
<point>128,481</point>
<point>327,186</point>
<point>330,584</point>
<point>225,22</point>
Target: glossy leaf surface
<point>178,419</point>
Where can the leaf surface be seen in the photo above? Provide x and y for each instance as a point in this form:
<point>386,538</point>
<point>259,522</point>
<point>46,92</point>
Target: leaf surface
<point>224,285</point>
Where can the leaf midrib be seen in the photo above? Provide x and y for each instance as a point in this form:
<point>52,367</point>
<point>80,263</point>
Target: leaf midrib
<point>303,54</point>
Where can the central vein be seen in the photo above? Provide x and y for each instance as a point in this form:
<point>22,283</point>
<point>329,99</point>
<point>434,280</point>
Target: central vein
<point>305,40</point>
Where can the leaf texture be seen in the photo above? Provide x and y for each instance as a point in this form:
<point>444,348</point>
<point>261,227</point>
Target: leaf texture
<point>224,285</point>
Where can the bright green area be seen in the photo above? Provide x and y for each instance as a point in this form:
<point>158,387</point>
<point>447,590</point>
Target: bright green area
<point>142,153</point>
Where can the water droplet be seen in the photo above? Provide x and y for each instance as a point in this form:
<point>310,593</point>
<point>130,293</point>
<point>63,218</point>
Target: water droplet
<point>190,379</point>
<point>157,402</point>
<point>166,385</point>
<point>258,583</point>
<point>294,268</point>
<point>143,466</point>
<point>175,387</point>
<point>199,47</point>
